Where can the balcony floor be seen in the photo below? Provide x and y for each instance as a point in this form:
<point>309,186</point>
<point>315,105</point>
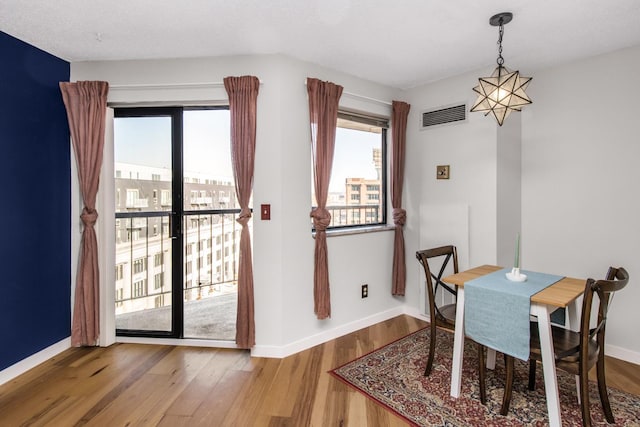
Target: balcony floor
<point>212,318</point>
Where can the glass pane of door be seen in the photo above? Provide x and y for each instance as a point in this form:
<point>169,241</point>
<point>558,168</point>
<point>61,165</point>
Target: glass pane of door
<point>143,185</point>
<point>211,235</point>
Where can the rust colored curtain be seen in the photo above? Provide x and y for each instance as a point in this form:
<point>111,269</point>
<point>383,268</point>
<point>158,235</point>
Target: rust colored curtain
<point>243,95</point>
<point>86,104</point>
<point>399,136</point>
<point>323,112</point>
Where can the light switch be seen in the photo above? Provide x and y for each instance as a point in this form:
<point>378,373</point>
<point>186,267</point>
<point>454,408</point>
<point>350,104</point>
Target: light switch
<point>265,212</point>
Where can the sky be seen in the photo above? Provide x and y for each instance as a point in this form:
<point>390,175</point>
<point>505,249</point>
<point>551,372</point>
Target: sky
<point>147,141</point>
<point>353,157</point>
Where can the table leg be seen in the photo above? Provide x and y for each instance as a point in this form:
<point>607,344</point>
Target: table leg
<point>548,363</point>
<point>491,359</point>
<point>458,346</point>
<point>573,316</point>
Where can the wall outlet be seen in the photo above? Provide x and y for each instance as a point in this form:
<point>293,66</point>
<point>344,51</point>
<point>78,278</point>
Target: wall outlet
<point>365,291</point>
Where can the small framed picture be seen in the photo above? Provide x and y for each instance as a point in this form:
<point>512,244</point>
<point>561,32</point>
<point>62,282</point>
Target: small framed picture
<point>442,172</point>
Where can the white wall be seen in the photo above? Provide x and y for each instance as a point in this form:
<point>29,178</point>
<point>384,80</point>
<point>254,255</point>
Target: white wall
<point>462,209</point>
<point>509,193</point>
<point>579,208</point>
<point>283,247</point>
<point>580,176</point>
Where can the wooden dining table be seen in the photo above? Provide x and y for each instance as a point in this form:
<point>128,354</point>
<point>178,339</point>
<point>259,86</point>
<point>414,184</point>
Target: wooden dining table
<point>562,294</point>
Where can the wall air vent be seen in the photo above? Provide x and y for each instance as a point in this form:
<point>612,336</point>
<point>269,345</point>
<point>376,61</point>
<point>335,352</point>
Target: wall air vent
<point>441,116</point>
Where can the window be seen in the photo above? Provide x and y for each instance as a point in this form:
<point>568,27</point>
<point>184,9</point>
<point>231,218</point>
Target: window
<point>158,281</point>
<point>119,297</point>
<point>359,164</point>
<point>157,259</point>
<point>132,197</point>
<point>165,197</point>
<point>119,271</point>
<point>139,265</point>
<point>139,288</point>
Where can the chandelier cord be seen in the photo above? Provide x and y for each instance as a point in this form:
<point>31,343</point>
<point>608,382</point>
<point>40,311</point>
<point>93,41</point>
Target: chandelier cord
<point>500,59</point>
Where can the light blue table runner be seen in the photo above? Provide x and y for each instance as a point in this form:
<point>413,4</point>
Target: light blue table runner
<point>496,310</point>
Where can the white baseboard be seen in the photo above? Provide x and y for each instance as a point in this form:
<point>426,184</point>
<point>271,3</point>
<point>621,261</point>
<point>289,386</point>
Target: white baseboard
<point>324,336</point>
<point>622,354</point>
<point>187,342</point>
<point>34,360</point>
<point>416,312</point>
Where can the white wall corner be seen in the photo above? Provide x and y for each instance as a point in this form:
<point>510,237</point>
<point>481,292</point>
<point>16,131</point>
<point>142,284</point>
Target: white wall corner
<point>105,227</point>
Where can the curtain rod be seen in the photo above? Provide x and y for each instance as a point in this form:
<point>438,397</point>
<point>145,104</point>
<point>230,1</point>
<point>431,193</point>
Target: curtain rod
<point>169,85</point>
<point>362,97</point>
<point>366,98</point>
<point>221,84</point>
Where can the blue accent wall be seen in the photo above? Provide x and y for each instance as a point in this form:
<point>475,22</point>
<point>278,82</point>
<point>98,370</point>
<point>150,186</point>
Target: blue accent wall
<point>35,202</point>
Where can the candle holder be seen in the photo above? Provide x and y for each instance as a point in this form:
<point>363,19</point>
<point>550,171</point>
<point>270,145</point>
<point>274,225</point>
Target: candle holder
<point>515,276</point>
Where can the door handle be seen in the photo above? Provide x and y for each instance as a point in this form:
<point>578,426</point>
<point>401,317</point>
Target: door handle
<point>173,232</point>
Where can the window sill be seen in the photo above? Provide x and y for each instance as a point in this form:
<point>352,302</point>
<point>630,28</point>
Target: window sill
<point>358,230</point>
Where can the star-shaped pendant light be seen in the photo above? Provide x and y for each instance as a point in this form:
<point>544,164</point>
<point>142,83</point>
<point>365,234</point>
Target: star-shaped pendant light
<point>503,91</point>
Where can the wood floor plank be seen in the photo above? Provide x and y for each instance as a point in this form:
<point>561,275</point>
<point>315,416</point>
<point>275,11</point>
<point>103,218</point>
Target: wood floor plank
<point>213,371</point>
<point>155,385</point>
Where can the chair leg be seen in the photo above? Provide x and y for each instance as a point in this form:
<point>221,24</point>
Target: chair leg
<point>532,374</point>
<point>432,349</point>
<point>602,388</point>
<point>481,374</point>
<point>584,394</point>
<point>508,386</point>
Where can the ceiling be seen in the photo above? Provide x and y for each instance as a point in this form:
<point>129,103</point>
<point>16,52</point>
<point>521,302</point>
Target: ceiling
<point>399,43</point>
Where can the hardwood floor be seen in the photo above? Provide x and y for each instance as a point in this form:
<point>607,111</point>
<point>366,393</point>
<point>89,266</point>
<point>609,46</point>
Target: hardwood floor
<point>149,385</point>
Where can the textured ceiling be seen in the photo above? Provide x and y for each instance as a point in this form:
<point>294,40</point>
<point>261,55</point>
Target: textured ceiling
<point>400,43</point>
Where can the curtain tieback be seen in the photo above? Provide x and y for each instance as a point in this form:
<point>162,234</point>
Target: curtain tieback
<point>321,218</point>
<point>399,216</point>
<point>89,216</point>
<point>244,217</point>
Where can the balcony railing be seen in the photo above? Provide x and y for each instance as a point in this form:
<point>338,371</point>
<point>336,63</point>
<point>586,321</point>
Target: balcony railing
<point>352,215</point>
<point>209,268</point>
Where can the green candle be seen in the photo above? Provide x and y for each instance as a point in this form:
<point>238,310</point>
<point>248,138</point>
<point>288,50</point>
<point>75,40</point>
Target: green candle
<point>517,263</point>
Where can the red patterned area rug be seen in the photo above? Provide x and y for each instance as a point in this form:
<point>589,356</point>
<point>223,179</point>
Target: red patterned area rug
<point>393,376</point>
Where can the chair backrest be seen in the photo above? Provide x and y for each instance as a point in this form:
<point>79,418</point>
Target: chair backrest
<point>449,254</point>
<point>617,278</point>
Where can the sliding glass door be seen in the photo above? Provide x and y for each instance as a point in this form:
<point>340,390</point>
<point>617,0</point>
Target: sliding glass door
<point>176,234</point>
